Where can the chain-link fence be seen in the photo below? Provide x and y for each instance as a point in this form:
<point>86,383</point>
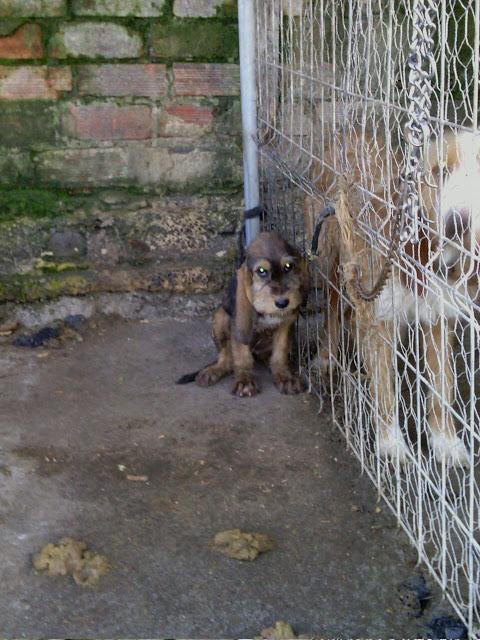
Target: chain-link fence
<point>369,108</point>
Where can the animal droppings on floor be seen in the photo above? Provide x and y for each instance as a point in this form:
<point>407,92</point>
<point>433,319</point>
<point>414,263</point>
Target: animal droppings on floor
<point>242,545</point>
<point>283,631</point>
<point>71,557</point>
<point>280,631</point>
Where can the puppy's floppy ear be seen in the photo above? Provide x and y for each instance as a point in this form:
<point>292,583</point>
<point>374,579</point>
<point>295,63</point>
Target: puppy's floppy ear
<point>244,311</point>
<point>305,280</point>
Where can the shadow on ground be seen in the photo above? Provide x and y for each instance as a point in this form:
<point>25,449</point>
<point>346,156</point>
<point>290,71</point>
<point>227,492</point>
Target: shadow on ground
<point>70,416</point>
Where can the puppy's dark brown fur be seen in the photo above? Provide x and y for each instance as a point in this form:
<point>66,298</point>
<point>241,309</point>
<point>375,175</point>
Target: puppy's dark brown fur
<point>256,316</point>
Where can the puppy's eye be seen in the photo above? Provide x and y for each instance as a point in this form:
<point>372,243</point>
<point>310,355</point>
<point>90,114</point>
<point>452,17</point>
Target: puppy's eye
<point>262,272</point>
<point>288,266</point>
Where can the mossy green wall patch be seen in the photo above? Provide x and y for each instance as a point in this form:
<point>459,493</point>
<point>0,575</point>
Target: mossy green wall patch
<point>9,26</point>
<point>30,288</point>
<point>30,203</point>
<point>210,40</point>
<point>27,125</point>
<point>15,168</point>
<point>229,9</point>
<point>32,8</point>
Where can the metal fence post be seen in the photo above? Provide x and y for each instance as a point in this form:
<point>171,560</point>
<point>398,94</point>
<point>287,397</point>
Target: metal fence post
<point>248,88</point>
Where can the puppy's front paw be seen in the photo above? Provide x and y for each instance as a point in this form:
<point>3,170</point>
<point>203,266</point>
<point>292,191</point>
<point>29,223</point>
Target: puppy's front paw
<point>245,387</point>
<point>209,376</point>
<point>449,447</point>
<point>392,445</point>
<point>287,383</point>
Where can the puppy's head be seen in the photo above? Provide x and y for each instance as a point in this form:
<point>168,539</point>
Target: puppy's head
<point>272,281</point>
<point>278,275</point>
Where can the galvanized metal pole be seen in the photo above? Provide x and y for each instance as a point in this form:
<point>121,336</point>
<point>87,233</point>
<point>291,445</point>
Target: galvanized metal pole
<point>248,87</point>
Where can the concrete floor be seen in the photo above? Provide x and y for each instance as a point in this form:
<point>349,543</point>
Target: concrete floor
<point>70,416</point>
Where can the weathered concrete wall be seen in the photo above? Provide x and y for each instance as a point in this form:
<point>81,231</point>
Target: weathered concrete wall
<point>120,157</point>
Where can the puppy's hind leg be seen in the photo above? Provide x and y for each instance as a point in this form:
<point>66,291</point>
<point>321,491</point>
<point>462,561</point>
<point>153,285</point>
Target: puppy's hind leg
<point>212,373</point>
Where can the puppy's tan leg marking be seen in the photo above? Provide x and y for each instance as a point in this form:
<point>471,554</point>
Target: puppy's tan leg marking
<point>283,378</point>
<point>378,358</point>
<point>438,359</point>
<point>210,375</point>
<point>244,384</point>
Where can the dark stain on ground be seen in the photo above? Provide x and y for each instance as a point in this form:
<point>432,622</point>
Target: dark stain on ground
<point>134,424</point>
<point>49,461</point>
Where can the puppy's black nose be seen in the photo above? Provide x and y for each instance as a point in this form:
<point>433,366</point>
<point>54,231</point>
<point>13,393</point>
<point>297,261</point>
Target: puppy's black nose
<point>282,303</point>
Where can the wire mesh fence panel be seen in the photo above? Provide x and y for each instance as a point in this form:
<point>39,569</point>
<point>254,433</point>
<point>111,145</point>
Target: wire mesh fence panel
<point>370,162</point>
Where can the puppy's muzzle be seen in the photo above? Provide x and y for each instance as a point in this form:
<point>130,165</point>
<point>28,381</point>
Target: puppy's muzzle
<point>282,303</point>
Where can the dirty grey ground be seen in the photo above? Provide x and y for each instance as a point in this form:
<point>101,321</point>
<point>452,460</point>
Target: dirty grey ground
<point>70,416</point>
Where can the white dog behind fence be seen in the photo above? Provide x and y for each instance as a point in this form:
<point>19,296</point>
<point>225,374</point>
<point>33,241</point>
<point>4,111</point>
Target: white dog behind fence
<point>452,202</point>
<point>444,261</point>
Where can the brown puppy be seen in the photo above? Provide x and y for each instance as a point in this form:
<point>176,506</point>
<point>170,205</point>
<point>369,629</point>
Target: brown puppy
<point>258,310</point>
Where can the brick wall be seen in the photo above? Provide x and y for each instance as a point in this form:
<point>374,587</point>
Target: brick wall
<point>119,92</point>
<point>120,147</point>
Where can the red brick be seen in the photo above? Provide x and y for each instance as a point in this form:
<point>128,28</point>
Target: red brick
<point>34,83</point>
<point>148,80</point>
<point>24,44</point>
<point>206,79</point>
<point>109,122</point>
<point>191,113</point>
<point>185,120</point>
